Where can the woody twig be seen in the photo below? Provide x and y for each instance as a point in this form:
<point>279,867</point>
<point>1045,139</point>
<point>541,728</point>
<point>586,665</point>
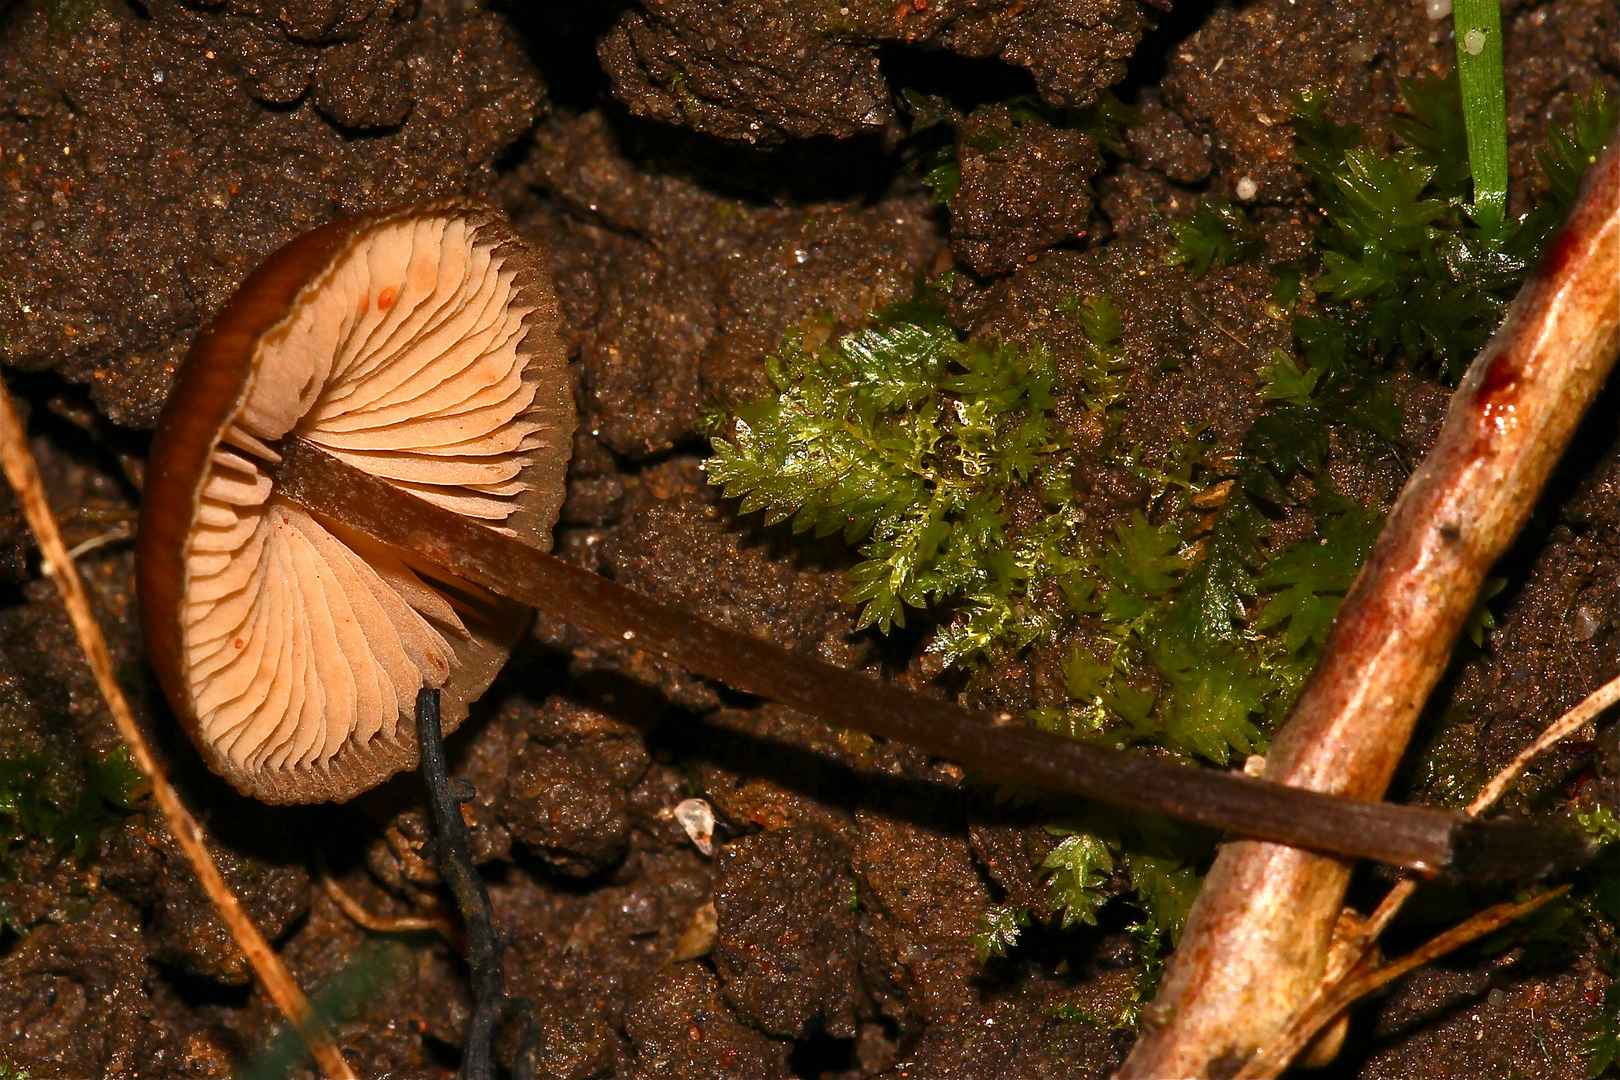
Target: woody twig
<point>1348,977</point>
<point>1273,1059</point>
<point>1257,941</point>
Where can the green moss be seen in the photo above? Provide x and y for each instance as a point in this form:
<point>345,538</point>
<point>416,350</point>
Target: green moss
<point>70,17</point>
<point>1602,1046</point>
<point>364,977</point>
<point>1308,580</point>
<point>1404,261</point>
<point>1077,868</point>
<point>903,438</point>
<point>1597,899</point>
<point>1568,153</point>
<point>1218,233</point>
<point>32,803</point>
<point>1448,770</point>
<point>909,440</point>
<point>998,930</point>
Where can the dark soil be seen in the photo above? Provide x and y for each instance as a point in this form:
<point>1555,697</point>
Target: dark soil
<point>706,178</point>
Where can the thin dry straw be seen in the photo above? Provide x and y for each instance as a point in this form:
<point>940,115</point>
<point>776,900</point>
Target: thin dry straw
<point>23,472</point>
<point>1560,729</point>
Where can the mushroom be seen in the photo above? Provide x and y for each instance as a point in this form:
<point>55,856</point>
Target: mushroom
<point>421,347</point>
<point>348,499</point>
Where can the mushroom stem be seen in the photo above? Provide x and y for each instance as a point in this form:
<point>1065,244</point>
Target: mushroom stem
<point>1405,836</point>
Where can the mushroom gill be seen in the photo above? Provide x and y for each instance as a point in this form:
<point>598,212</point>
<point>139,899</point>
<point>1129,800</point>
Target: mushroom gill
<point>419,346</point>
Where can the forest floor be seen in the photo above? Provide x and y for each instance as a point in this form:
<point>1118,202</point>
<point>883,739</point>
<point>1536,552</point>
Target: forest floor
<point>707,180</point>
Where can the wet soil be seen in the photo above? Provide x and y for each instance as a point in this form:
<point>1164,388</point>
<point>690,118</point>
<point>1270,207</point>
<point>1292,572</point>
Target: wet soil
<point>704,180</point>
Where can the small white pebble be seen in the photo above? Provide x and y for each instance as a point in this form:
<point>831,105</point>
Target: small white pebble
<point>1255,764</point>
<point>157,76</point>
<point>629,635</point>
<point>1473,42</point>
<point>1247,189</point>
<point>697,818</point>
<point>1587,622</point>
<point>1437,9</point>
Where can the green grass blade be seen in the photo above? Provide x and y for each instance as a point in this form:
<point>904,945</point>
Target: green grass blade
<point>1479,70</point>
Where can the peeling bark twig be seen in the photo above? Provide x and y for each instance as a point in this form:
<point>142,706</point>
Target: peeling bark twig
<point>1258,937</point>
<point>23,473</point>
<point>1272,1060</point>
<point>1345,963</point>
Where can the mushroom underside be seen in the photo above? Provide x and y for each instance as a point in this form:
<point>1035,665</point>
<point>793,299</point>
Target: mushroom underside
<point>425,354</point>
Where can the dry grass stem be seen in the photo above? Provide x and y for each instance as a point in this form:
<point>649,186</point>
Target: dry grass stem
<point>1559,730</point>
<point>1273,1059</point>
<point>391,924</point>
<point>118,533</point>
<point>23,472</point>
<point>1257,942</point>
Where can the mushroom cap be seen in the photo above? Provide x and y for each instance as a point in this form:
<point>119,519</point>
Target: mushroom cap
<point>420,345</point>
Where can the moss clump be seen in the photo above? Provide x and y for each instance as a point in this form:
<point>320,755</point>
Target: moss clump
<point>911,442</point>
<point>32,803</point>
<point>1403,263</point>
<point>1218,233</point>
